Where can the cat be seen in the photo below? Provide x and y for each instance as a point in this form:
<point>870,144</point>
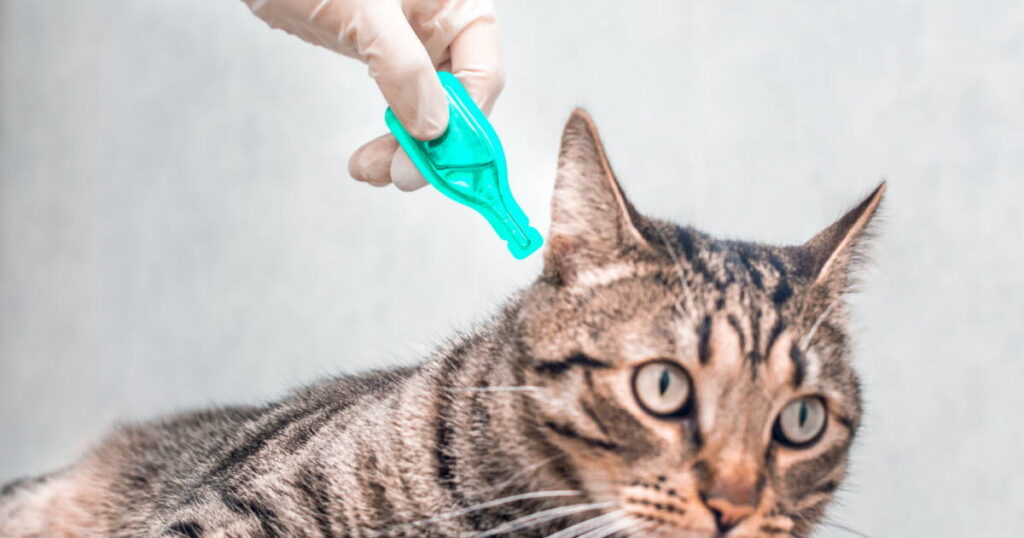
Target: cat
<point>653,381</point>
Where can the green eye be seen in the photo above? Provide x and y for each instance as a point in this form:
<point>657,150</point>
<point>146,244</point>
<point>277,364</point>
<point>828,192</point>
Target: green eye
<point>662,388</point>
<point>801,422</point>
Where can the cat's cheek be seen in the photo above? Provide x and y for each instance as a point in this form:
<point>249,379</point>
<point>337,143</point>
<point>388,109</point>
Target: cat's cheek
<point>811,474</point>
<point>767,515</point>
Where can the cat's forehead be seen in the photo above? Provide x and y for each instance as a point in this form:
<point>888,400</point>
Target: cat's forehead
<point>669,299</point>
<point>697,273</point>
<point>662,300</point>
<point>741,272</point>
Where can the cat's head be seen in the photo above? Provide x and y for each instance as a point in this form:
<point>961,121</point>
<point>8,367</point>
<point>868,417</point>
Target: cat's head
<point>702,385</point>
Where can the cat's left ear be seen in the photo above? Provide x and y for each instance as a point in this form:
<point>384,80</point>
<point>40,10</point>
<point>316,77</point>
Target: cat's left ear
<point>835,250</point>
<point>592,222</point>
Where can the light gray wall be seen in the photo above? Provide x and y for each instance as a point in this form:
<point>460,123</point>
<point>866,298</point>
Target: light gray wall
<point>177,227</point>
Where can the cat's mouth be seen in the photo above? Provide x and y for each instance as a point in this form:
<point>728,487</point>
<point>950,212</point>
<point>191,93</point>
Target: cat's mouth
<point>661,516</point>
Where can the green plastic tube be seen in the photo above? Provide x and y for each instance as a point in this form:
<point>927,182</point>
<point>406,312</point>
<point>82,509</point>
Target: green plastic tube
<point>467,164</point>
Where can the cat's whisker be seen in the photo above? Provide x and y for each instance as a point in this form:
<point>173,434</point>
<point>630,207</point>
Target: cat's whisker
<point>524,471</point>
<point>830,523</point>
<point>587,525</point>
<point>610,528</point>
<point>488,504</point>
<point>537,518</point>
<point>843,527</point>
<point>638,530</point>
<point>806,340</point>
<point>511,388</point>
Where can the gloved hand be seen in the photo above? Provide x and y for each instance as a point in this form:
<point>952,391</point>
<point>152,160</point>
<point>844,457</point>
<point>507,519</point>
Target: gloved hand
<point>403,42</point>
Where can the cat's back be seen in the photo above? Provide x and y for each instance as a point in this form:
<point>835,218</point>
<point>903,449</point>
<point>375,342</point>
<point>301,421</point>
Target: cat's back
<point>166,458</point>
<point>140,471</point>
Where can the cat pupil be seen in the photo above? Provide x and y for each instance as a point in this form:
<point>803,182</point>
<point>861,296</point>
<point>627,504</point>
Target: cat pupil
<point>803,413</point>
<point>663,382</point>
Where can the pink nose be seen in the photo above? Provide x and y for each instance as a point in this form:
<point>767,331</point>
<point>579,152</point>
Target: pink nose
<point>728,515</point>
<point>731,499</point>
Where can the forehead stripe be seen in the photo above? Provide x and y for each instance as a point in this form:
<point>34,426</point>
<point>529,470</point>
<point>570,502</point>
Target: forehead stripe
<point>755,337</point>
<point>799,365</point>
<point>734,322</point>
<point>704,336</point>
<point>776,331</point>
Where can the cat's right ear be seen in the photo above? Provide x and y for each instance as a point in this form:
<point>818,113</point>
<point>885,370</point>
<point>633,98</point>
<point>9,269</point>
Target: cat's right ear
<point>832,254</point>
<point>592,222</point>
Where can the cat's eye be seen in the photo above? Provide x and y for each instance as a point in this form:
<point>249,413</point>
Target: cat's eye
<point>662,388</point>
<point>801,422</point>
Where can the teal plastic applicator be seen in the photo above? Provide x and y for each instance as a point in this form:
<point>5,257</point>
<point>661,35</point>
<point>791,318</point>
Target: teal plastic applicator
<point>466,163</point>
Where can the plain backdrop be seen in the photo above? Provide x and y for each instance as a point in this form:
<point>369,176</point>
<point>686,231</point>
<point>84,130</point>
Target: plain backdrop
<point>177,227</point>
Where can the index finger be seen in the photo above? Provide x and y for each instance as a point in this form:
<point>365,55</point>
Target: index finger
<point>402,68</point>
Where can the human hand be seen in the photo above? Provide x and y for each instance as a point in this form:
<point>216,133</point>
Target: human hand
<point>404,43</point>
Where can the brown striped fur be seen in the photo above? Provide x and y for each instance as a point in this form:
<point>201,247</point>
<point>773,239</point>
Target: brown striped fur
<point>527,425</point>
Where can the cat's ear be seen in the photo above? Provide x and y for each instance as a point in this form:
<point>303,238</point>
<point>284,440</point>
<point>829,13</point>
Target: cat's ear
<point>592,222</point>
<point>833,252</point>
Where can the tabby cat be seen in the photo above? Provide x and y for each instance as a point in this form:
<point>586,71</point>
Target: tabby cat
<point>653,381</point>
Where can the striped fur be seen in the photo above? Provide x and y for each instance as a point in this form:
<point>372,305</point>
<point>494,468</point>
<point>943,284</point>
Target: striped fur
<point>528,425</point>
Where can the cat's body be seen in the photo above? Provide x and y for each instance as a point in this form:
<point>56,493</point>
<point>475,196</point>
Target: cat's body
<point>644,385</point>
<point>381,454</point>
<point>344,457</point>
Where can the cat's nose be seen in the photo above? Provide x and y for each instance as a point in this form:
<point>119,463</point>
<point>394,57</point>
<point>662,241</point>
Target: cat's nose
<point>727,515</point>
<point>731,499</point>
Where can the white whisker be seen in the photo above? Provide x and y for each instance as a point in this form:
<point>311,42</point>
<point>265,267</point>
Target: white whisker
<point>489,504</point>
<point>610,528</point>
<point>635,530</point>
<point>806,340</point>
<point>846,528</point>
<point>526,470</point>
<point>588,525</point>
<point>537,518</point>
<point>829,523</point>
<point>518,388</point>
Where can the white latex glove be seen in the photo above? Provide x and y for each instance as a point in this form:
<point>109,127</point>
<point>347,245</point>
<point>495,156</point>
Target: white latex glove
<point>404,42</point>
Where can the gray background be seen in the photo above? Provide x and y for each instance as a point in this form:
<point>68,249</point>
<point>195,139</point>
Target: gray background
<point>177,227</point>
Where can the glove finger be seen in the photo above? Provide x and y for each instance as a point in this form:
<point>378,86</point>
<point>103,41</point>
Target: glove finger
<point>476,61</point>
<point>403,70</point>
<point>372,162</point>
<point>315,21</point>
<point>438,22</point>
<point>404,174</point>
